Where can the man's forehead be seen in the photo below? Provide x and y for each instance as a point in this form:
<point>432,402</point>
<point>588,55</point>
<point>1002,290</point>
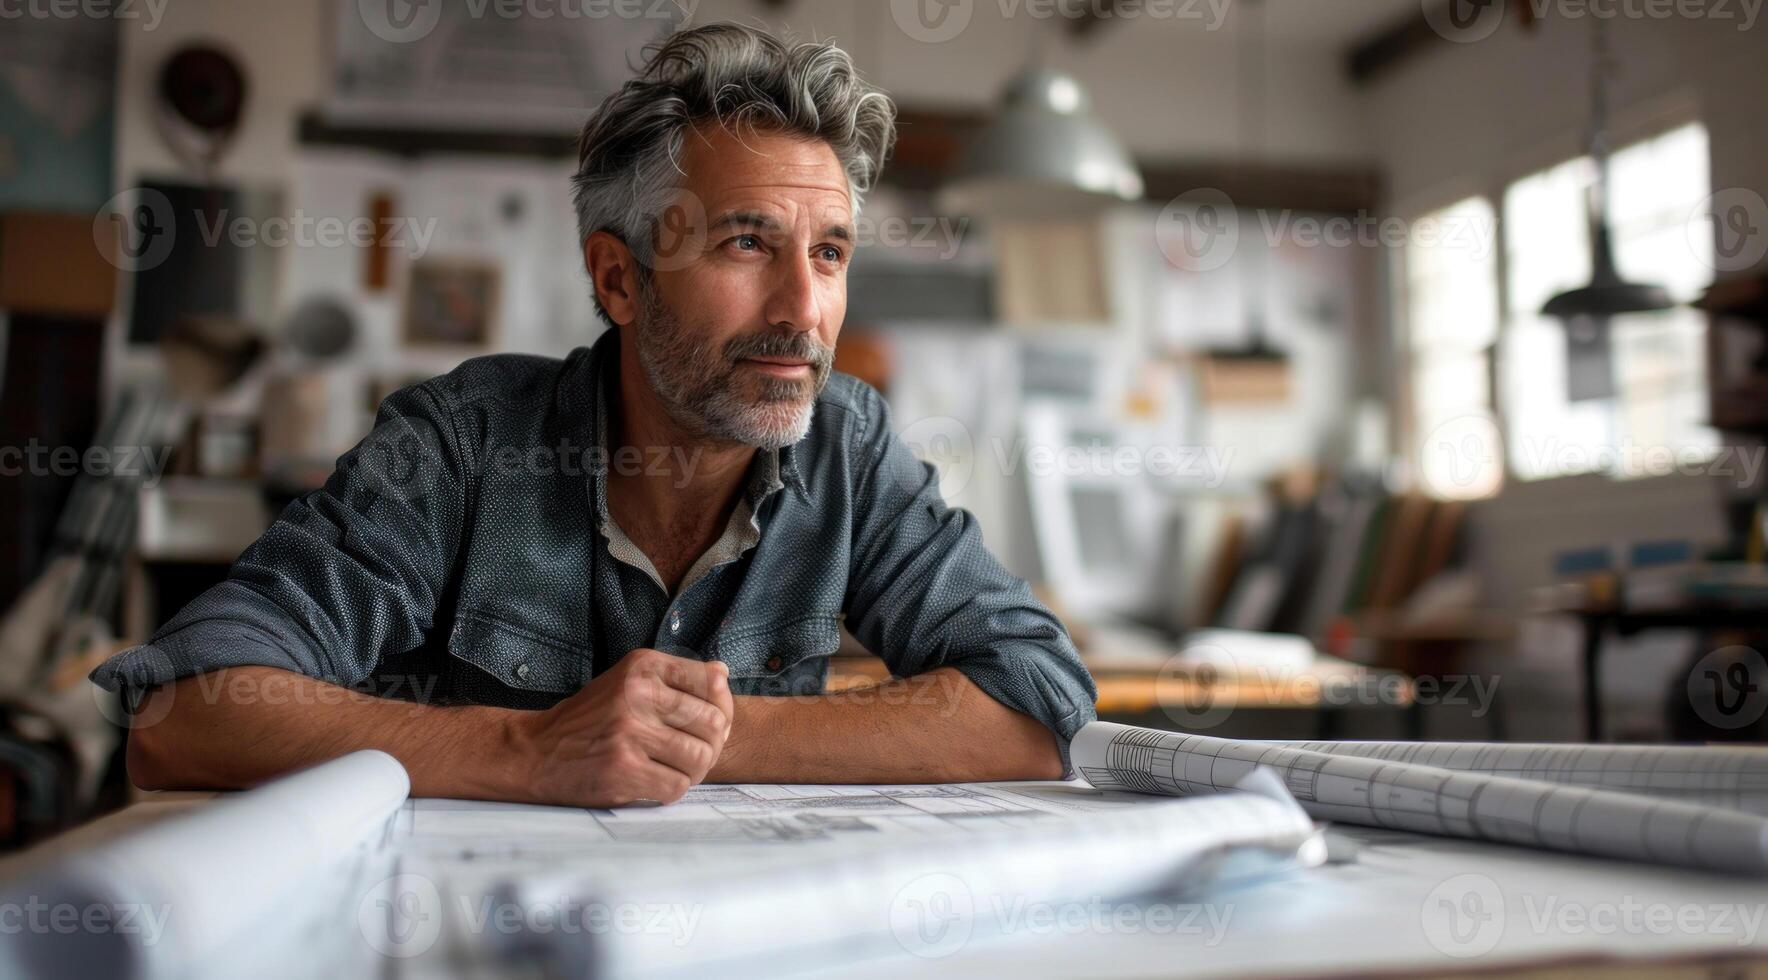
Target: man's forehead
<point>720,165</point>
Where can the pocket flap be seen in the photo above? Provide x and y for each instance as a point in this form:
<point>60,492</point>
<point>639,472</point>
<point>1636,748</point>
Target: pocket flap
<point>518,657</point>
<point>776,648</point>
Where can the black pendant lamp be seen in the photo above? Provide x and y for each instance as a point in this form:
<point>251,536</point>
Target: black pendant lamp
<point>1586,310</point>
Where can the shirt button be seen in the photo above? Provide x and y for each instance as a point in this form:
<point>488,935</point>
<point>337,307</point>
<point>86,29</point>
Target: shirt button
<point>675,621</point>
<point>521,672</point>
<point>773,663</point>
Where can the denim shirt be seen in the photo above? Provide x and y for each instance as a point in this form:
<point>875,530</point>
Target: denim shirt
<point>463,553</point>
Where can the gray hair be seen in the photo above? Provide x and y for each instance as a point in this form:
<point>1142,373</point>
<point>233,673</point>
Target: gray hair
<point>627,169</point>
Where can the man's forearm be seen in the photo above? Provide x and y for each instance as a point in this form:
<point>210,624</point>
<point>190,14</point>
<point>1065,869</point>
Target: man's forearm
<point>238,727</point>
<point>931,728</point>
<point>235,728</point>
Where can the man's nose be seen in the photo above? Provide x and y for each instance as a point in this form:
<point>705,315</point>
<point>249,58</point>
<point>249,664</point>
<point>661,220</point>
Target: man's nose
<point>793,303</point>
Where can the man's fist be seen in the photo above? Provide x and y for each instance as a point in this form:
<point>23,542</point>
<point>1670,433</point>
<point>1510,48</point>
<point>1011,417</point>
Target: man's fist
<point>647,730</point>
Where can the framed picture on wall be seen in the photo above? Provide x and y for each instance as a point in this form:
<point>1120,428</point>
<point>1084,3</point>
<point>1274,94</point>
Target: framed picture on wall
<point>451,303</point>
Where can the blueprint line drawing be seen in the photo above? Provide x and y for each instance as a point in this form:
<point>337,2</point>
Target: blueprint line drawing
<point>1428,799</point>
<point>1735,778</point>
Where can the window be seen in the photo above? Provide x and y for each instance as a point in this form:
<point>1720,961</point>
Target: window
<point>1661,234</point>
<point>1655,420</point>
<point>1452,319</point>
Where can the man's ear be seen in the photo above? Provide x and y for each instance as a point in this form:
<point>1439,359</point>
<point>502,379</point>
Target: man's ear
<point>613,272</point>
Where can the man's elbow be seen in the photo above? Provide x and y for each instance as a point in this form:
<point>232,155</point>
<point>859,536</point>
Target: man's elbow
<point>1032,753</point>
<point>1042,759</point>
<point>156,745</point>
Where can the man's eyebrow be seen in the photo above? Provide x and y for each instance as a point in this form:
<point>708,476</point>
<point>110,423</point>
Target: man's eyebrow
<point>747,219</point>
<point>765,223</point>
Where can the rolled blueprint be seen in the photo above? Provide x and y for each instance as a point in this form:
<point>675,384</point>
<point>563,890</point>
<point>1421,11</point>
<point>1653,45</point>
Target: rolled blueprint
<point>172,898</point>
<point>1431,800</point>
<point>1734,777</point>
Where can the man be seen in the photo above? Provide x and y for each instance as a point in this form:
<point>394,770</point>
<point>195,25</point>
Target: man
<point>610,578</point>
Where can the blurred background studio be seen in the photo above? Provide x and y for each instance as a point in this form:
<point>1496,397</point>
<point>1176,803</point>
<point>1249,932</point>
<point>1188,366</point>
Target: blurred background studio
<point>1373,368</point>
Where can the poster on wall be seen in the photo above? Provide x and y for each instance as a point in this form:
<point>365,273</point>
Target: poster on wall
<point>451,304</point>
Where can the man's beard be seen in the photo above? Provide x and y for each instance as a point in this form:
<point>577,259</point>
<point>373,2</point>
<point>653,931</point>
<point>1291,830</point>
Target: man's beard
<point>708,392</point>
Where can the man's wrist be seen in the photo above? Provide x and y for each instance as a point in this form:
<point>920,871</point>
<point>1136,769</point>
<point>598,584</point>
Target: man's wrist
<point>478,752</point>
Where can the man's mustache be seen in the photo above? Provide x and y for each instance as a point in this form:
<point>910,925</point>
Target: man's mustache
<point>792,346</point>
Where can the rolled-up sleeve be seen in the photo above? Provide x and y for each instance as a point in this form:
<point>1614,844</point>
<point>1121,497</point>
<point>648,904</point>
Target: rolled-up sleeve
<point>346,575</point>
<point>924,592</point>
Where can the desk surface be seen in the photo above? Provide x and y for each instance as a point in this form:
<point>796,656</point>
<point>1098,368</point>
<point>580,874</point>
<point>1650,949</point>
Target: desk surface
<point>1387,902</point>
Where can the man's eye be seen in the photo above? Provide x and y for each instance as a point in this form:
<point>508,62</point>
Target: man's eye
<point>747,242</point>
<point>830,253</point>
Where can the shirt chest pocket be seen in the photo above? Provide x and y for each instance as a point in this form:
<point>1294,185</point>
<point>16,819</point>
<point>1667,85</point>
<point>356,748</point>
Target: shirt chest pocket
<point>789,656</point>
<point>518,657</point>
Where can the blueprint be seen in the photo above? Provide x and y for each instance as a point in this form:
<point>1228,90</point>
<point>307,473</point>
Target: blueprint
<point>1724,776</point>
<point>1409,796</point>
<point>887,869</point>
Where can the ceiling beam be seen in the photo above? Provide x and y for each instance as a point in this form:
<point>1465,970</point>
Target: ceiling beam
<point>1387,49</point>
